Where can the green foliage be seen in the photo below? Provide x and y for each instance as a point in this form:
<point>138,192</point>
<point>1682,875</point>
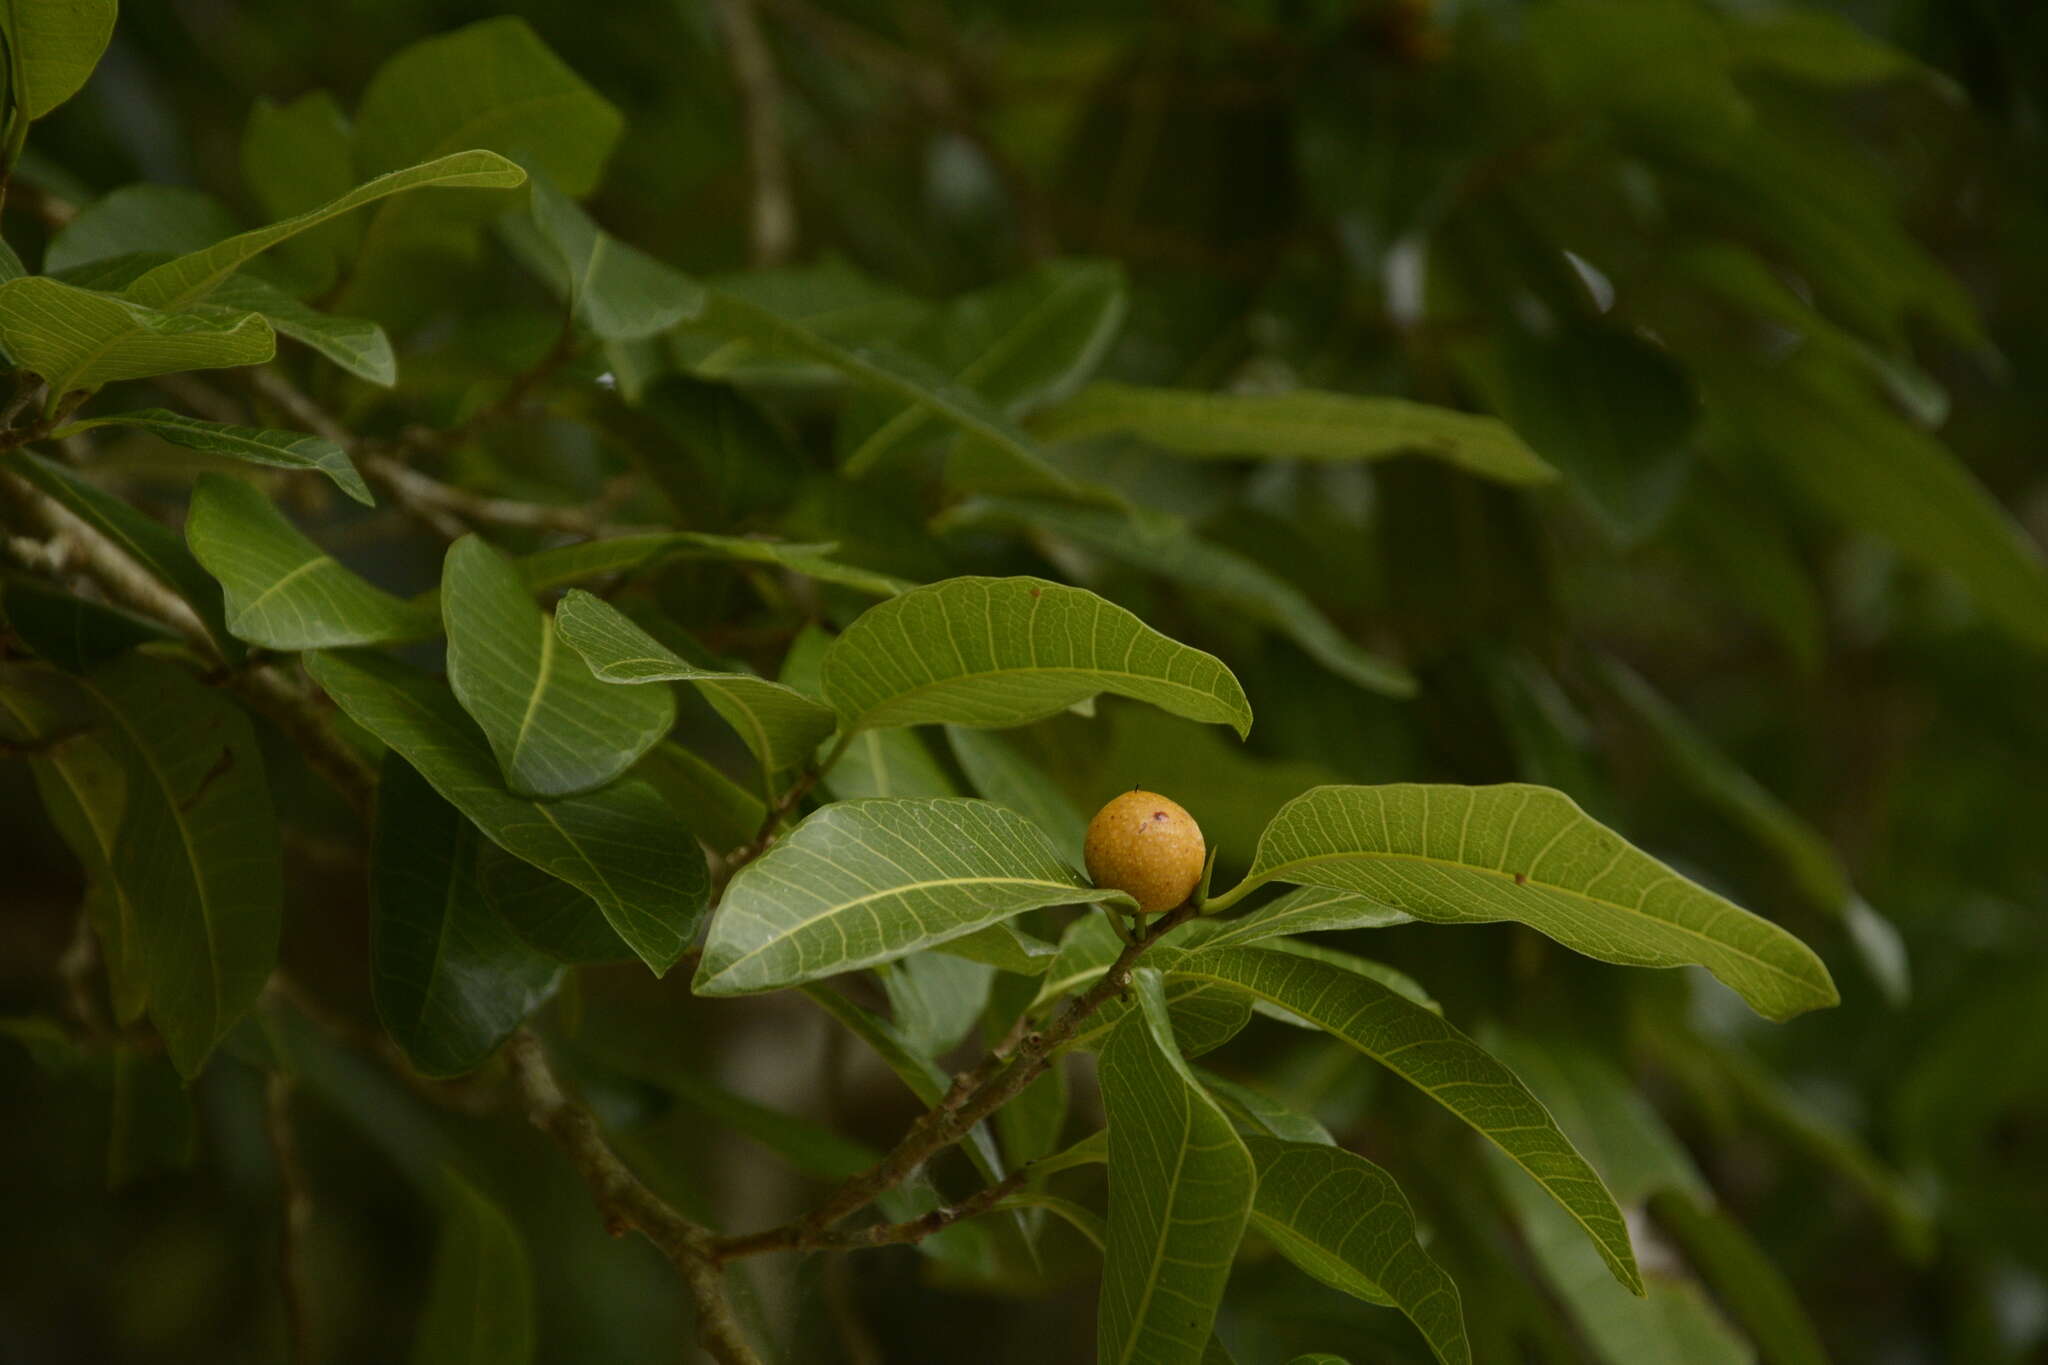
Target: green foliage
<point>1524,410</point>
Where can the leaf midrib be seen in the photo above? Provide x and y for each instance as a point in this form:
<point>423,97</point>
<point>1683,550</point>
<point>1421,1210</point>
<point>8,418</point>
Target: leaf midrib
<point>922,688</point>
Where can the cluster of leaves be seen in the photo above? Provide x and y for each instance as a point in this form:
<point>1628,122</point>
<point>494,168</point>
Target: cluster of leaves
<point>868,529</point>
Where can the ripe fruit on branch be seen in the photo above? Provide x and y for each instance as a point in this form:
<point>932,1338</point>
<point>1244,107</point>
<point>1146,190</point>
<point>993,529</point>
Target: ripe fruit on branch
<point>1148,847</point>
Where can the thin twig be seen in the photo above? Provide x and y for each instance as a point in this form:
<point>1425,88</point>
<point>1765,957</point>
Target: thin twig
<point>296,1195</point>
<point>973,1096</point>
<point>625,1201</point>
<point>753,71</point>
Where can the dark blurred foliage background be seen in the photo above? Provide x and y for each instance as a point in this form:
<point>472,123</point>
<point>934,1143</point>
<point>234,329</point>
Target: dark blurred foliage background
<point>1608,223</point>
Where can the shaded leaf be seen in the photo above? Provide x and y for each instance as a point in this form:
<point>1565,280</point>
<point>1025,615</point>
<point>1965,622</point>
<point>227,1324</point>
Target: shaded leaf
<point>70,632</point>
<point>619,292</point>
<point>621,846</point>
<point>1428,1053</point>
<point>1002,946</point>
<point>1180,1190</point>
<point>295,157</point>
<point>1309,910</point>
<point>450,978</point>
<point>282,591</point>
<point>992,652</point>
<point>1172,552</point>
<point>278,449</point>
<point>555,728</point>
<point>779,725</point>
<point>547,914</point>
<point>480,1300</point>
<point>134,219</point>
<point>864,882</point>
<point>1007,778</point>
<point>1304,424</point>
<point>1344,1221</point>
<point>935,998</point>
<point>1748,1286</point>
<point>1255,1112</point>
<point>1478,855</point>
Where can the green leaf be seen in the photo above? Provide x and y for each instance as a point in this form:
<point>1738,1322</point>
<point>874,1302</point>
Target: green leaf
<point>358,345</point>
<point>52,47</point>
<point>1081,1218</point>
<point>81,338</point>
<point>556,729</point>
<point>1479,855</point>
<point>1030,1125</point>
<point>295,157</point>
<point>1008,778</point>
<point>1747,1285</point>
<point>136,219</point>
<point>1086,949</point>
<point>1255,1112</point>
<point>1170,551</point>
<point>779,725</point>
<point>151,1127</point>
<point>878,762</point>
<point>84,787</point>
<point>1004,947</point>
<point>1839,445</point>
<point>150,543</point>
<point>1428,1053</point>
<point>1180,1190</point>
<point>864,882</point>
<point>1817,47</point>
<point>278,449</point>
<point>188,279</point>
<point>1015,344</point>
<point>1344,1221</point>
<point>1612,411</point>
<point>828,298</point>
<point>721,812</point>
<point>480,1300</point>
<point>283,592</point>
<point>198,849</point>
<point>562,564</point>
<point>992,652</point>
<point>935,998</point>
<point>492,84</point>
<point>450,978</point>
<point>1309,910</point>
<point>1022,467</point>
<point>547,914</point>
<point>622,846</point>
<point>1305,424</point>
<point>70,632</point>
<point>619,292</point>
<point>1805,855</point>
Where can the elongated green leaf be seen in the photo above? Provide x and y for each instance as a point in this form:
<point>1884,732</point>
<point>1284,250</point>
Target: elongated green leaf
<point>188,279</point>
<point>480,1302</point>
<point>619,292</point>
<point>1255,1112</point>
<point>829,298</point>
<point>780,725</point>
<point>295,157</point>
<point>1395,980</point>
<point>1015,344</point>
<point>150,543</point>
<point>450,978</point>
<point>1806,856</point>
<point>52,46</point>
<point>864,882</point>
<point>1081,1218</point>
<point>1007,778</point>
<point>556,729</point>
<point>935,998</point>
<point>1428,1053</point>
<point>1086,949</point>
<point>283,592</point>
<point>1344,1221</point>
<point>544,912</point>
<point>1848,453</point>
<point>1477,855</point>
<point>81,338</point>
<point>1171,552</point>
<point>992,652</point>
<point>1305,424</point>
<point>68,631</point>
<point>721,812</point>
<point>1002,946</point>
<point>927,391</point>
<point>569,563</point>
<point>1309,910</point>
<point>358,345</point>
<point>198,849</point>
<point>278,449</point>
<point>84,788</point>
<point>1180,1190</point>
<point>1749,1287</point>
<point>919,1073</point>
<point>151,221</point>
<point>622,846</point>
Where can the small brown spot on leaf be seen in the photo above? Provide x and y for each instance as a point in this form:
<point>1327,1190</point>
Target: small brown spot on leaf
<point>1521,879</point>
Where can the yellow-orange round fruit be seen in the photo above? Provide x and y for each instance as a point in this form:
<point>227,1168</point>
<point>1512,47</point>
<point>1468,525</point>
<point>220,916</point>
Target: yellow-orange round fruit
<point>1147,846</point>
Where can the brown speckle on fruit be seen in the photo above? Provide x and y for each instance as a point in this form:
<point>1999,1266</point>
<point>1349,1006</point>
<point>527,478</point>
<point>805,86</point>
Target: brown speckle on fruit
<point>1148,847</point>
